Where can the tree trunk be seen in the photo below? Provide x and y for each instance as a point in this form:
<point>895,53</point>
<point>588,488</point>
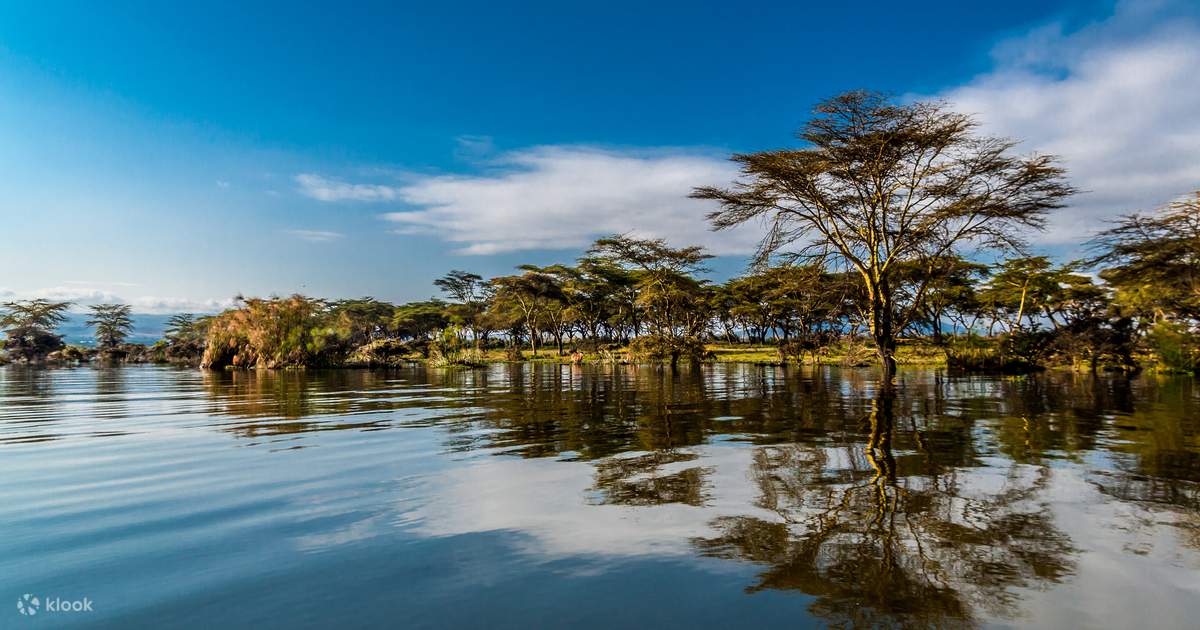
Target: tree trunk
<point>883,328</point>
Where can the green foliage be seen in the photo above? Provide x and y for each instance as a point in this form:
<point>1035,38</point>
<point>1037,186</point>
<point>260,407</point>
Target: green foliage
<point>668,298</point>
<point>1013,352</point>
<point>185,338</point>
<point>112,324</point>
<point>277,332</point>
<point>419,320</point>
<point>881,185</point>
<point>1153,261</point>
<point>655,348</point>
<point>447,350</point>
<point>533,299</point>
<point>29,327</point>
<point>180,325</point>
<point>1176,346</point>
<point>382,353</point>
<point>653,298</point>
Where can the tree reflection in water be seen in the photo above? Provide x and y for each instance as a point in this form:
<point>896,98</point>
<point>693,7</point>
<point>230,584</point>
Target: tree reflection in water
<point>931,503</point>
<point>877,545</point>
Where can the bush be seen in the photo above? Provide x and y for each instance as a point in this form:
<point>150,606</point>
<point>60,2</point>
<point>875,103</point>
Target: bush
<point>382,353</point>
<point>271,333</point>
<point>665,348</point>
<point>1175,345</point>
<point>447,350</point>
<point>32,345</point>
<point>813,345</point>
<point>1019,351</point>
<point>73,354</point>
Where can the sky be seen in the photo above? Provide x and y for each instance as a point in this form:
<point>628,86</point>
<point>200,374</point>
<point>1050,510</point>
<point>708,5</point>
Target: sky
<point>172,156</point>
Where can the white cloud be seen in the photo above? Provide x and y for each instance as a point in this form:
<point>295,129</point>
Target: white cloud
<point>316,236</point>
<point>84,296</point>
<point>1119,101</point>
<point>327,189</point>
<point>563,198</point>
<point>511,495</point>
<point>102,283</point>
<point>151,304</point>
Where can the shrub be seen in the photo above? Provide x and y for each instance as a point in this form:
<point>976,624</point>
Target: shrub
<point>858,353</point>
<point>666,348</point>
<point>72,354</point>
<point>1019,351</point>
<point>447,350</point>
<point>271,333</point>
<point>813,344</point>
<point>381,353</point>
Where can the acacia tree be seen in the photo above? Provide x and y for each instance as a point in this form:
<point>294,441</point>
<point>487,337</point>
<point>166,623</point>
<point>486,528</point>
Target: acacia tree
<point>881,184</point>
<point>471,294</point>
<point>112,323</point>
<point>672,299</point>
<point>533,294</point>
<point>29,327</point>
<point>185,335</point>
<point>356,322</point>
<point>950,293</point>
<point>419,320</point>
<point>1153,260</point>
<point>1021,288</point>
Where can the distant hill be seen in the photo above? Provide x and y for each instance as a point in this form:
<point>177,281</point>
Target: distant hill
<point>146,329</point>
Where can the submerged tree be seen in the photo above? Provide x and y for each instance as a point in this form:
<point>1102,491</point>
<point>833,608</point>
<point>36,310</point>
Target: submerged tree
<point>112,323</point>
<point>29,327</point>
<point>880,540</point>
<point>881,184</point>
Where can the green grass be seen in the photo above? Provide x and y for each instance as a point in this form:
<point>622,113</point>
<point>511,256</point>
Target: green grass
<point>912,352</point>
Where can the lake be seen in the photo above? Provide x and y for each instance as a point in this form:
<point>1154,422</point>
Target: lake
<point>529,495</point>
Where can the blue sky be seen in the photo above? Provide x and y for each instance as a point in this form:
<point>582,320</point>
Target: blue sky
<point>173,156</point>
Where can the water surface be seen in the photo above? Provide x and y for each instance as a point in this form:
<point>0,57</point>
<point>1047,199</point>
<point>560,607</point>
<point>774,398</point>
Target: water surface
<point>535,496</point>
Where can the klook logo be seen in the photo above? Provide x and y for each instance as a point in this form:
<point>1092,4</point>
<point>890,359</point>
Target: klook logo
<point>30,605</point>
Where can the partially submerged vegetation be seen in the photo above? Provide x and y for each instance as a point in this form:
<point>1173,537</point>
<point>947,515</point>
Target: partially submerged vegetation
<point>867,260</point>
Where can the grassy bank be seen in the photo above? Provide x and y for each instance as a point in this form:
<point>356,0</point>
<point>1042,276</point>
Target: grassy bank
<point>914,352</point>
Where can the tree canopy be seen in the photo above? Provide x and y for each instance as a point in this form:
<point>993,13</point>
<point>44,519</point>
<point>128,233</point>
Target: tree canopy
<point>880,184</point>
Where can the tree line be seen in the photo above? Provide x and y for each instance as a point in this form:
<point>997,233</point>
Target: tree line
<point>877,228</point>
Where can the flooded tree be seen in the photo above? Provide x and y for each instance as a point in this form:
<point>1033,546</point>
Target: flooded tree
<point>881,184</point>
<point>880,540</point>
<point>29,327</point>
<point>112,324</point>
